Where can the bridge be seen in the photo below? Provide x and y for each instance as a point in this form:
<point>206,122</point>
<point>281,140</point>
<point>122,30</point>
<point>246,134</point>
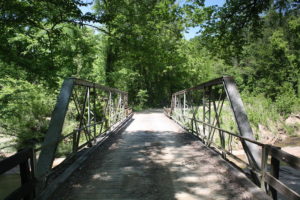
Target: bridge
<point>201,147</point>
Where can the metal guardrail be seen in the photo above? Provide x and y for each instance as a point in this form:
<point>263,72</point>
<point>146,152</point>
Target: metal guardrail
<point>199,110</point>
<point>25,160</point>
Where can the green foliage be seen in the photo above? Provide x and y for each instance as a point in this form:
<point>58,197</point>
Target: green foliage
<point>287,101</point>
<point>227,29</point>
<point>291,130</point>
<point>64,148</point>
<point>25,110</point>
<point>142,46</point>
<point>259,42</point>
<point>141,50</point>
<point>141,99</point>
<point>260,110</point>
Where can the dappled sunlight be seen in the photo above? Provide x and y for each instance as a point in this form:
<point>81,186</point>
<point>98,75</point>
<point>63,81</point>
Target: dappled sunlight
<point>113,146</point>
<point>102,176</point>
<point>203,191</point>
<point>153,160</point>
<point>166,99</point>
<point>189,179</point>
<point>185,196</point>
<point>57,161</point>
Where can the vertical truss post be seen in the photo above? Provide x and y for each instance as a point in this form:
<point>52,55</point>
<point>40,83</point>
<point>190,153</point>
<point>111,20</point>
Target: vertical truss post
<point>119,108</point>
<point>87,120</point>
<point>81,121</point>
<point>123,106</point>
<point>89,117</point>
<point>172,103</point>
<point>109,109</point>
<point>209,115</point>
<point>74,140</point>
<point>204,113</point>
<point>94,109</point>
<point>194,110</point>
<point>217,119</point>
<point>89,109</point>
<point>252,151</point>
<point>126,104</point>
<point>192,125</point>
<point>184,103</point>
<point>180,108</point>
<point>175,104</point>
<point>114,108</point>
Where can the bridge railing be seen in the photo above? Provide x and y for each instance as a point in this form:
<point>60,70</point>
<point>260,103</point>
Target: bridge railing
<point>272,156</point>
<point>25,160</point>
<point>218,103</point>
<point>209,110</point>
<point>84,112</point>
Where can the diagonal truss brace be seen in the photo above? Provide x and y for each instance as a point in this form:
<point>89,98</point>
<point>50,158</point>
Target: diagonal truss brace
<point>253,152</point>
<point>54,133</point>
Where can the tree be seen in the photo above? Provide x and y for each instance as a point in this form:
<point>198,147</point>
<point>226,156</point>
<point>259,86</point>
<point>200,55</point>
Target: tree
<point>142,45</point>
<point>42,42</point>
<point>31,33</point>
<point>228,28</point>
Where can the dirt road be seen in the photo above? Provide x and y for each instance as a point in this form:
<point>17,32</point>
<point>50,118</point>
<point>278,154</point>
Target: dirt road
<point>154,159</point>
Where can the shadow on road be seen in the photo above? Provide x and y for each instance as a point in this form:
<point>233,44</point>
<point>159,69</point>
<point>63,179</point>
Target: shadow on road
<point>147,162</point>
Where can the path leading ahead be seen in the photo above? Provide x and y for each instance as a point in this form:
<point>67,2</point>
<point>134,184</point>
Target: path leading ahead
<point>154,159</point>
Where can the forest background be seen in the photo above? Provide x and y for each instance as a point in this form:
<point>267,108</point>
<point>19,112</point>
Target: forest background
<point>139,47</point>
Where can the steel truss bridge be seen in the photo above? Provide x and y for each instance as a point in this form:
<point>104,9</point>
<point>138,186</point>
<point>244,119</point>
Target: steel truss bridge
<point>96,148</point>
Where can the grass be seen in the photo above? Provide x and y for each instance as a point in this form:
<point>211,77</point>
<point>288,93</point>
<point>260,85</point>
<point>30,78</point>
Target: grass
<point>264,116</point>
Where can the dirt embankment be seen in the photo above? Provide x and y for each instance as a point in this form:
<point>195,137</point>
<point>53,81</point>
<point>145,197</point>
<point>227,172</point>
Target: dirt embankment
<point>285,134</point>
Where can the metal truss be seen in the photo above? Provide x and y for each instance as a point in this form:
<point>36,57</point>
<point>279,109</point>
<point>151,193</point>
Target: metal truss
<point>200,108</point>
<point>90,109</point>
<point>203,111</point>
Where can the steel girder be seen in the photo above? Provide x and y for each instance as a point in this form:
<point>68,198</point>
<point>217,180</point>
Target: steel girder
<point>98,109</point>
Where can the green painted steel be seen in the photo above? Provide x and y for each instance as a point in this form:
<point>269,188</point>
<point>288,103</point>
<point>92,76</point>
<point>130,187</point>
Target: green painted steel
<point>112,106</point>
<point>53,134</point>
<point>208,94</point>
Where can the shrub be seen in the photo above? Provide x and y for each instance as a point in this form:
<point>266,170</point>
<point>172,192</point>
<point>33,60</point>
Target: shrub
<point>141,97</point>
<point>260,109</point>
<point>25,110</point>
<point>287,101</point>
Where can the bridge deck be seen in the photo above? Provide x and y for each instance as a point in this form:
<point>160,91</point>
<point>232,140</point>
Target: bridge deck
<point>154,159</point>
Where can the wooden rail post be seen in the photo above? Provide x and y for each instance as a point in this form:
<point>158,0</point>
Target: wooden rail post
<point>27,173</point>
<point>275,167</point>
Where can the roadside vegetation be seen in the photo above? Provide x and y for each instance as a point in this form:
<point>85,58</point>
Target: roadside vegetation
<point>139,47</point>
